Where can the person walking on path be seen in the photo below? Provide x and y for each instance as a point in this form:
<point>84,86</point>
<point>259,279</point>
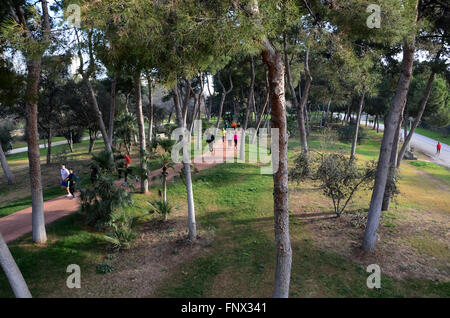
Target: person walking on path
<point>72,182</point>
<point>224,133</point>
<point>438,148</point>
<point>126,164</point>
<point>64,174</point>
<point>210,142</point>
<point>235,137</point>
<point>230,137</point>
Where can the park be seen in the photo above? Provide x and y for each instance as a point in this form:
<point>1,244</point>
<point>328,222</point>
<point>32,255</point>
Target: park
<point>224,149</point>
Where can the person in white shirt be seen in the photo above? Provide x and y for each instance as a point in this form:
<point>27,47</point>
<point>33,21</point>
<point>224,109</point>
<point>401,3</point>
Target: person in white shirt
<point>230,137</point>
<point>64,175</point>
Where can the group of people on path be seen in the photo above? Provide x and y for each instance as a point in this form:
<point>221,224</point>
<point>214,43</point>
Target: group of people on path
<point>68,181</point>
<point>226,134</point>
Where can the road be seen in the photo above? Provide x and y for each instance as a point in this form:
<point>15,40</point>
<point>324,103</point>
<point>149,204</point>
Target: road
<point>56,143</point>
<point>425,145</point>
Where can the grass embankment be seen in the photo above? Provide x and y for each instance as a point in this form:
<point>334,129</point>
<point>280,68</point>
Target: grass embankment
<point>234,202</point>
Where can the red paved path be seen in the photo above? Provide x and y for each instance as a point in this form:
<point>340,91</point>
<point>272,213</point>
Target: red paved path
<point>18,224</point>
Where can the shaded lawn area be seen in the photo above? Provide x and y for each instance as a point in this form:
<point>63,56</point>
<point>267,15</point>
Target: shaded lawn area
<point>235,202</point>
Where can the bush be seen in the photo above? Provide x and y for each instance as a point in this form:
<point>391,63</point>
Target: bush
<point>100,201</point>
<point>5,135</point>
<point>121,235</point>
<point>346,133</point>
<point>161,207</point>
<point>339,178</point>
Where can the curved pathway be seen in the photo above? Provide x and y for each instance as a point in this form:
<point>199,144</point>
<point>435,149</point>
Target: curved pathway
<point>18,224</point>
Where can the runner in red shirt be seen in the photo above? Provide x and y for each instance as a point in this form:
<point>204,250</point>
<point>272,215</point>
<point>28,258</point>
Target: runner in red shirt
<point>438,147</point>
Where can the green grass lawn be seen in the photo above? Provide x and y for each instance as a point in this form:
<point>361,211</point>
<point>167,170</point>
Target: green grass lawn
<point>434,135</point>
<point>234,201</point>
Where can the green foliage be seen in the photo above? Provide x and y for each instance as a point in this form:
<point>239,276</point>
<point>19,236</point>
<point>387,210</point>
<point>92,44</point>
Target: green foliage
<point>301,170</point>
<point>100,201</point>
<point>6,127</point>
<point>125,126</point>
<point>161,207</point>
<point>347,132</point>
<point>121,235</point>
<point>339,178</point>
<point>102,162</point>
<point>105,267</point>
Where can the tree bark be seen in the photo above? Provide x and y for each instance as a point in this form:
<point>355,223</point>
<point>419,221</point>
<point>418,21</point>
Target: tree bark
<point>392,170</point>
<point>98,115</point>
<point>208,115</point>
<point>112,109</point>
<point>263,109</point>
<point>12,272</point>
<point>222,100</point>
<point>390,127</point>
<point>91,140</point>
<point>358,119</point>
<point>296,104</point>
<point>49,148</point>
<point>250,105</point>
<point>187,170</point>
<point>9,175</point>
<point>150,110</point>
<point>302,110</point>
<point>416,122</point>
<point>141,128</point>
<point>274,63</point>
<point>38,223</point>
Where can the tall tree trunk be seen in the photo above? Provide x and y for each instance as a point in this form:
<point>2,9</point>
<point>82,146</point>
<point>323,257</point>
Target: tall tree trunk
<point>49,148</point>
<point>358,119</point>
<point>12,272</point>
<point>392,170</point>
<point>251,101</point>
<point>91,140</point>
<point>263,109</point>
<point>208,115</point>
<point>222,100</point>
<point>141,128</point>
<point>9,175</point>
<point>150,110</point>
<point>390,127</point>
<point>98,115</point>
<point>187,170</point>
<point>296,104</point>
<point>112,109</point>
<point>416,122</point>
<point>302,110</point>
<point>274,63</point>
<point>38,223</point>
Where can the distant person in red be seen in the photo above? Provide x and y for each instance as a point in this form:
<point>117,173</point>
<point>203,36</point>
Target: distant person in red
<point>126,163</point>
<point>438,147</point>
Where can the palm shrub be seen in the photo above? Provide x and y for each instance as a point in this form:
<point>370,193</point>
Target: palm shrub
<point>121,235</point>
<point>101,162</point>
<point>161,207</point>
<point>99,201</point>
